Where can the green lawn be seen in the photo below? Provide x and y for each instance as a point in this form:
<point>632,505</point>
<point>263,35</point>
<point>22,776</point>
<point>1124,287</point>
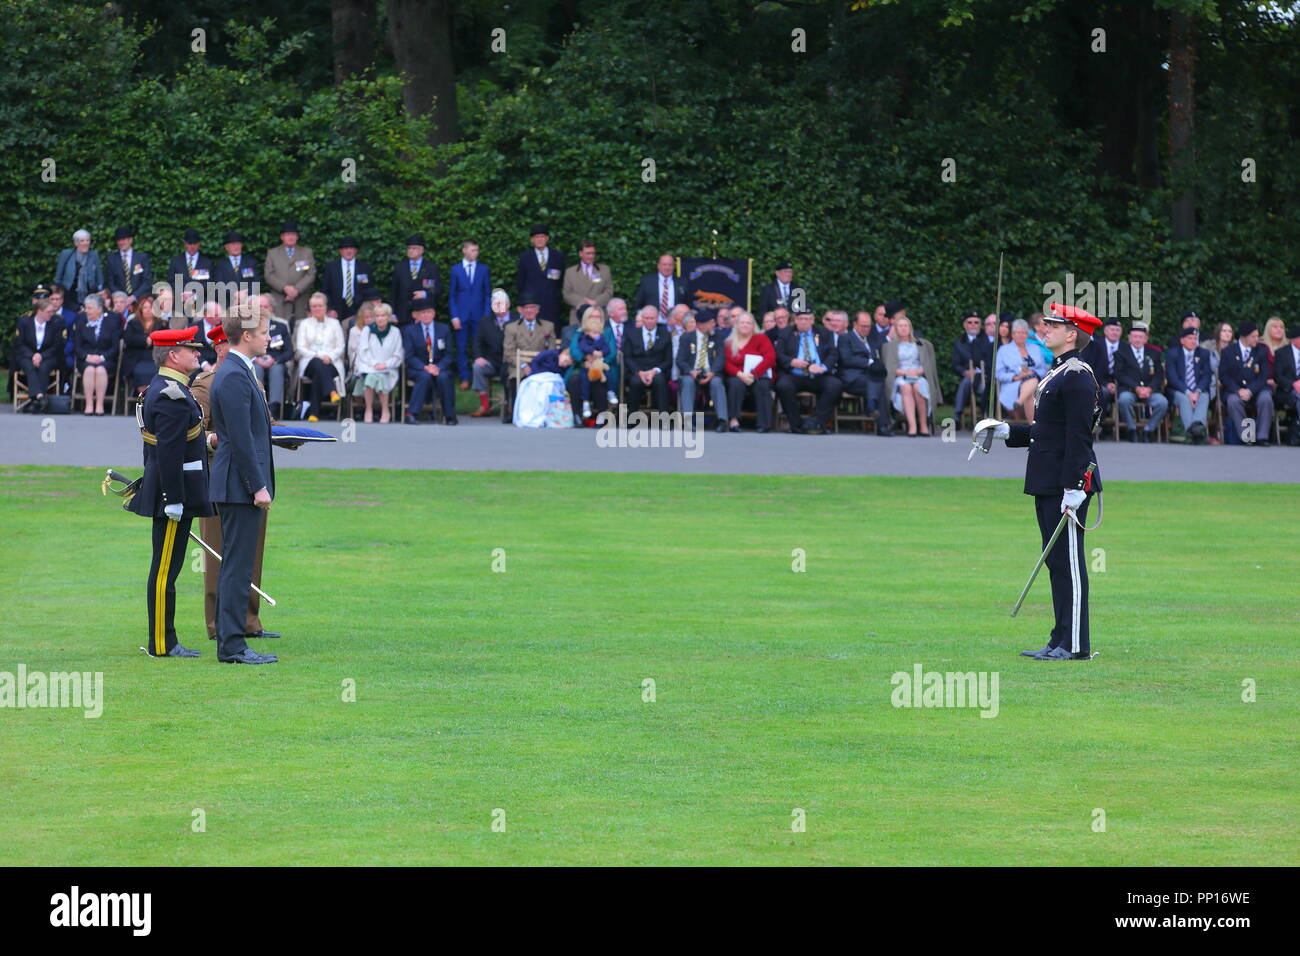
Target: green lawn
<point>522,690</point>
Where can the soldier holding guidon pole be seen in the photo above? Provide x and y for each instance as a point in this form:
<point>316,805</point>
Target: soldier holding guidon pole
<point>1061,473</point>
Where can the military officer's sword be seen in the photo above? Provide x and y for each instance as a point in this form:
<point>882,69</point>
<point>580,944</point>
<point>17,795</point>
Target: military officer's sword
<point>127,492</point>
<point>1066,515</point>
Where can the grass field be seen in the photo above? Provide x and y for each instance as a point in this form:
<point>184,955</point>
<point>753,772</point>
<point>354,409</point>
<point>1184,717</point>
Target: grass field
<point>522,690</point>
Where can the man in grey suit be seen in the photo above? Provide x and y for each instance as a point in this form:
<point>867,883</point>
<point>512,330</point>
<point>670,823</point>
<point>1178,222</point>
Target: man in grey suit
<point>243,474</point>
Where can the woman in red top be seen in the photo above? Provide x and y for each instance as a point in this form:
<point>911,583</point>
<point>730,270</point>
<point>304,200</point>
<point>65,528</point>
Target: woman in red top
<point>746,340</point>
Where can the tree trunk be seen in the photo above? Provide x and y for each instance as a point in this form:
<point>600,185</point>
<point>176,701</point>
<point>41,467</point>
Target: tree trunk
<point>353,23</point>
<point>1182,112</point>
<point>419,33</point>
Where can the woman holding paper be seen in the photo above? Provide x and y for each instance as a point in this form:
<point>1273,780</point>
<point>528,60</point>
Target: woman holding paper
<point>749,361</point>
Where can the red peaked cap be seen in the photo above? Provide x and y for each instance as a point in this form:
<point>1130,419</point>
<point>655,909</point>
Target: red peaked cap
<point>171,337</point>
<point>1077,317</point>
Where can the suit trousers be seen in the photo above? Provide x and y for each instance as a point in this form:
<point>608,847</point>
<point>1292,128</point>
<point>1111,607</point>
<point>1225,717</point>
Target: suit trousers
<point>272,380</point>
<point>964,387</point>
<point>762,390</point>
<point>1067,567</point>
<point>210,529</point>
<point>483,374</point>
<point>38,376</point>
<point>169,547</point>
<point>423,383</point>
<point>686,388</point>
<point>467,333</point>
<point>1192,415</point>
<point>1157,406</point>
<point>1263,413</point>
<point>827,388</point>
<point>241,524</point>
<point>636,390</point>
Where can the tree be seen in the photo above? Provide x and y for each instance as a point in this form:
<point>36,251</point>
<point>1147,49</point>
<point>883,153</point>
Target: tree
<point>419,34</point>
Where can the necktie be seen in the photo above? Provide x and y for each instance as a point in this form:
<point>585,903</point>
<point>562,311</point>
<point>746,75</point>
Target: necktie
<point>701,352</point>
<point>663,299</point>
<point>618,334</point>
<point>126,271</point>
<point>1191,373</point>
<point>541,259</point>
<point>189,269</point>
<point>415,268</point>
<point>470,269</point>
<point>290,251</point>
<point>347,282</point>
<point>428,344</point>
<point>803,347</point>
<point>1110,361</point>
<point>649,340</point>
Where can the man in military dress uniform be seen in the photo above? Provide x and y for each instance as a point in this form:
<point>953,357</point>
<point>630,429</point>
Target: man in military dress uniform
<point>1057,474</point>
<point>174,490</point>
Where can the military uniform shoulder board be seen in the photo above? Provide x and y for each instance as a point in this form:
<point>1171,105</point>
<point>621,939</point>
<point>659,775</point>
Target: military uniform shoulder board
<point>173,390</point>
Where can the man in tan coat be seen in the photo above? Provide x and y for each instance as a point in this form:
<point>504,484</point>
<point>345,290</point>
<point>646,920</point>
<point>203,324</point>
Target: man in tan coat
<point>528,333</point>
<point>586,283</point>
<point>210,528</point>
<point>290,271</point>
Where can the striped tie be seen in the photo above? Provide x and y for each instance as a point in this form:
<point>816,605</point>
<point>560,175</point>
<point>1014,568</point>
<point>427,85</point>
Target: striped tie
<point>663,300</point>
<point>347,283</point>
<point>126,271</point>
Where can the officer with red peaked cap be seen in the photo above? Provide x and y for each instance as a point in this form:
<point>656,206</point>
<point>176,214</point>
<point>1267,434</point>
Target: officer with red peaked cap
<point>174,490</point>
<point>1061,471</point>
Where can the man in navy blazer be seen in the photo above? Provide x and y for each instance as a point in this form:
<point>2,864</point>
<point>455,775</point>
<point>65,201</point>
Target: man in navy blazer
<point>346,281</point>
<point>236,268</point>
<point>1243,376</point>
<point>806,360</point>
<point>415,279</point>
<point>39,350</point>
<point>428,361</point>
<point>540,274</point>
<point>469,296</point>
<point>129,270</point>
<point>242,482</point>
<point>661,289</point>
<point>647,359</point>
<point>190,266</point>
<point>700,362</point>
<point>859,361</point>
<point>1187,370</point>
<point>1286,372</point>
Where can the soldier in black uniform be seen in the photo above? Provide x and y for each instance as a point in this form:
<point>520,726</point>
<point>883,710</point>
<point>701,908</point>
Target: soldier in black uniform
<point>174,490</point>
<point>1066,407</point>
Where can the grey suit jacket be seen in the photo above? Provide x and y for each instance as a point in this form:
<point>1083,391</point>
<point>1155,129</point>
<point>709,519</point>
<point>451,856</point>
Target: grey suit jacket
<point>240,417</point>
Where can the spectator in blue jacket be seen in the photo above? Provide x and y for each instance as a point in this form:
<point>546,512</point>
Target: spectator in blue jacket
<point>428,360</point>
<point>1190,378</point>
<point>469,299</point>
<point>79,269</point>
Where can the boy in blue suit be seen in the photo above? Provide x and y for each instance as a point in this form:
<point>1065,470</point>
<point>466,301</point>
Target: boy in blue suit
<point>469,297</point>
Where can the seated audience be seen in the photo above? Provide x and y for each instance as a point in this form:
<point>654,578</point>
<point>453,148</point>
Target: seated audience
<point>39,351</point>
<point>911,376</point>
<point>1139,377</point>
<point>750,359</point>
<point>318,346</point>
<point>98,339</point>
<point>1019,368</point>
<point>1286,368</point>
<point>271,368</point>
<point>527,334</point>
<point>379,360</point>
<point>1187,368</point>
<point>1099,354</point>
<point>1243,377</point>
<point>429,361</point>
<point>806,359</point>
<point>647,356</point>
<point>489,343</point>
<point>972,360</point>
<point>594,372</point>
<point>862,371</point>
<point>700,362</point>
<point>138,365</point>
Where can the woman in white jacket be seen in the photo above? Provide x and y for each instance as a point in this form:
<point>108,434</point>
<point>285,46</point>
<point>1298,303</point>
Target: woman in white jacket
<point>379,361</point>
<point>318,346</point>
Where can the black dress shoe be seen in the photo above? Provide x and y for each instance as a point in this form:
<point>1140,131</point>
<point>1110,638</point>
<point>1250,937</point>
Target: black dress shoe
<point>1061,654</point>
<point>249,656</point>
<point>721,428</point>
<point>815,430</point>
<point>453,421</point>
<point>797,431</point>
<point>177,651</point>
<point>764,431</point>
<point>1038,653</point>
<point>736,428</point>
<point>410,420</point>
<point>885,432</point>
<point>1263,443</point>
<point>262,633</point>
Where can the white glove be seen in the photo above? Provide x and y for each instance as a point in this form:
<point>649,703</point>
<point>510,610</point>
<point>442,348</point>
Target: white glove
<point>1000,429</point>
<point>174,512</point>
<point>1072,500</point>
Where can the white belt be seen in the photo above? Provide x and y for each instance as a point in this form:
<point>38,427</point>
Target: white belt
<point>192,466</point>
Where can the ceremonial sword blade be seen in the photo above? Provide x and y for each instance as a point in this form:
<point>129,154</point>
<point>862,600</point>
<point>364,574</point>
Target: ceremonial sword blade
<point>1065,516</point>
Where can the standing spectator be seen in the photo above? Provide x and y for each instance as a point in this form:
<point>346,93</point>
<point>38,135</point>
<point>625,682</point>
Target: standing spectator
<point>540,274</point>
<point>290,271</point>
<point>972,360</point>
<point>782,292</point>
<point>911,376</point>
<point>489,346</point>
<point>190,266</point>
<point>415,279</point>
<point>661,289</point>
<point>648,355</point>
<point>39,351</point>
<point>857,361</point>
<point>428,361</point>
<point>236,270</point>
<point>379,362</point>
<point>1190,380</point>
<point>346,281</point>
<point>1099,354</point>
<point>1286,367</point>
<point>589,384</point>
<point>319,348</point>
<point>807,358</point>
<point>78,269</point>
<point>129,271</point>
<point>470,304</point>
<point>98,337</point>
<point>1018,369</point>
<point>1243,376</point>
<point>700,362</point>
<point>748,363</point>
<point>137,354</point>
<point>587,282</point>
<point>270,368</point>
<point>1139,377</point>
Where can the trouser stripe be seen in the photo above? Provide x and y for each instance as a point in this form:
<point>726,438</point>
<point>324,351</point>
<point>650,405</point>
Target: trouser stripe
<point>1072,529</point>
<point>160,590</point>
